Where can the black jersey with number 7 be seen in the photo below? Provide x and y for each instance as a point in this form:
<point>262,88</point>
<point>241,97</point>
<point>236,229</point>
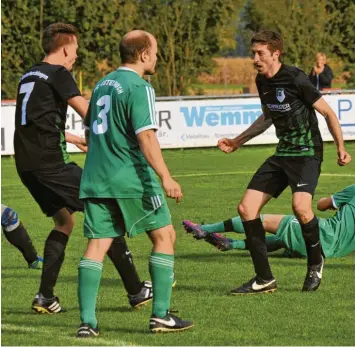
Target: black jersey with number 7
<point>41,109</point>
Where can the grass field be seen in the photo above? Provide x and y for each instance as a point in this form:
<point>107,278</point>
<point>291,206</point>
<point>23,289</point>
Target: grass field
<point>212,183</point>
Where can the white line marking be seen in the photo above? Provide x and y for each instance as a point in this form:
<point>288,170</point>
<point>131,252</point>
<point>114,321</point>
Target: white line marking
<point>98,341</point>
<point>247,173</point>
<point>197,174</point>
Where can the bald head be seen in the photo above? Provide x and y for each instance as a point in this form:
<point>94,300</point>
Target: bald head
<point>133,44</point>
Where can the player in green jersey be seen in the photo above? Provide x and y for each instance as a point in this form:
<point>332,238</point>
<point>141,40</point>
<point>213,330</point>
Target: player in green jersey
<point>120,188</point>
<point>337,233</point>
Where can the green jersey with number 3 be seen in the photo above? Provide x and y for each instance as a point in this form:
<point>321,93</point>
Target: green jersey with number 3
<point>122,105</point>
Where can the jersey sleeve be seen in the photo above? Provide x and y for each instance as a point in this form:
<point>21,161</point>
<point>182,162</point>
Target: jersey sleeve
<point>64,84</point>
<point>142,109</point>
<point>346,195</point>
<point>308,92</point>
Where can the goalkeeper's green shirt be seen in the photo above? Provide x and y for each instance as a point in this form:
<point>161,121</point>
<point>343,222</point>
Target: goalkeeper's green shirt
<point>339,238</point>
<point>122,105</point>
<point>337,233</point>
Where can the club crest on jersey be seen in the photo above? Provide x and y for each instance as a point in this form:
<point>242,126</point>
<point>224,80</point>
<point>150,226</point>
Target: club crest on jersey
<point>280,94</point>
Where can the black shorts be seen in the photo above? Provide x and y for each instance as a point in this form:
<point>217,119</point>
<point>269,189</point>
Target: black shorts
<point>54,189</point>
<point>300,173</point>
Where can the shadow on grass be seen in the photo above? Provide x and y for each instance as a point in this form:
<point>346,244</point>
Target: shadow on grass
<point>28,312</point>
<point>71,328</point>
<point>211,256</point>
<point>113,309</point>
<point>232,254</point>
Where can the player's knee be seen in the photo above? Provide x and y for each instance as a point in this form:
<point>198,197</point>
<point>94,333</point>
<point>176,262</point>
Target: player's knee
<point>97,248</point>
<point>244,211</point>
<point>65,225</point>
<point>164,237</point>
<point>172,236</point>
<point>241,210</point>
<point>304,215</point>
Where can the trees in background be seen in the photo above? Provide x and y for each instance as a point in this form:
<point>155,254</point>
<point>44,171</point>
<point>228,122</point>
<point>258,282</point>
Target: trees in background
<point>20,42</point>
<point>100,23</point>
<point>307,26</point>
<point>189,33</point>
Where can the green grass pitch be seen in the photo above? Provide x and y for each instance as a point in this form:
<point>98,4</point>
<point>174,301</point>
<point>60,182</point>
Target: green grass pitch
<point>212,183</point>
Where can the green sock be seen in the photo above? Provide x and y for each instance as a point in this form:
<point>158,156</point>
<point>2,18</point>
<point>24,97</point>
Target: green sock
<point>234,224</point>
<point>89,281</point>
<point>238,244</point>
<point>214,228</point>
<point>161,268</point>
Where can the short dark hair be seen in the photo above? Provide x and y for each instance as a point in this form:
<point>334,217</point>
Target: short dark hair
<point>272,39</point>
<point>131,48</point>
<point>57,35</point>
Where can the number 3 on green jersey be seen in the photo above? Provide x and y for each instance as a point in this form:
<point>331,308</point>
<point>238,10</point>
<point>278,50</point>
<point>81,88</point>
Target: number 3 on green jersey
<point>101,128</point>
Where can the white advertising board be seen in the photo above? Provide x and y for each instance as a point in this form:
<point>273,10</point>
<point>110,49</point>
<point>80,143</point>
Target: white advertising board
<point>200,123</point>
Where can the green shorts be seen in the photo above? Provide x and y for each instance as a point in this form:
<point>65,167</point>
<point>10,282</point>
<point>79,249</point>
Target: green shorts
<point>290,234</point>
<point>109,218</point>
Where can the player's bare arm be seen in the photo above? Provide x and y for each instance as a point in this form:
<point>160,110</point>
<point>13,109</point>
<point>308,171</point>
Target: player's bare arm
<point>150,148</point>
<point>80,105</point>
<point>257,128</point>
<point>77,141</point>
<point>325,204</point>
<point>325,110</point>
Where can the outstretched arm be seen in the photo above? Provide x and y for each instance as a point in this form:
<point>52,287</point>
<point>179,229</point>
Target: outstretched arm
<point>257,128</point>
<point>77,141</point>
<point>80,105</point>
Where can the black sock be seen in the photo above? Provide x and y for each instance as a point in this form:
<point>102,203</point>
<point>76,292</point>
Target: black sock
<point>255,234</point>
<point>53,257</point>
<point>22,241</point>
<point>123,261</point>
<point>228,225</point>
<point>310,232</point>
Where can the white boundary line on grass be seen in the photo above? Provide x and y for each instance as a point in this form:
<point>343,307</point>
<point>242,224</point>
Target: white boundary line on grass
<point>203,174</point>
<point>247,173</point>
<point>99,341</point>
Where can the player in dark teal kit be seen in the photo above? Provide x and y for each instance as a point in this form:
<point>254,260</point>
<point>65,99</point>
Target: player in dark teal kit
<point>289,101</point>
<point>337,234</point>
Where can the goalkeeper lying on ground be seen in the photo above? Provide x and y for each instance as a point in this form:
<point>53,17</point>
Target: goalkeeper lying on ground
<point>337,233</point>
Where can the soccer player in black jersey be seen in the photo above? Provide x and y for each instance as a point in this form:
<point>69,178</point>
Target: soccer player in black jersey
<point>45,168</point>
<point>289,101</point>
